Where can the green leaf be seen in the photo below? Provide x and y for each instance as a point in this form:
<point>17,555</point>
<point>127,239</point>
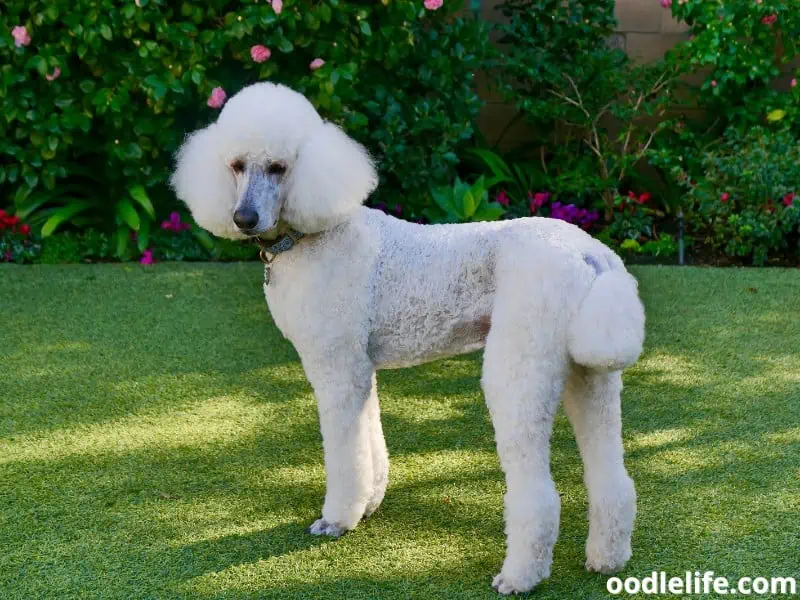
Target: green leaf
<point>365,28</point>
<point>468,204</point>
<point>33,202</point>
<point>143,235</point>
<point>776,115</point>
<point>63,214</point>
<point>37,62</point>
<point>105,31</point>
<point>138,193</point>
<point>123,239</point>
<point>128,214</point>
<point>497,165</point>
<point>443,197</point>
<point>488,211</point>
<point>203,237</point>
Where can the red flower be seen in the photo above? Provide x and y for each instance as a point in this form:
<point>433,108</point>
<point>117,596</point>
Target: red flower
<point>12,220</point>
<point>725,197</point>
<point>644,198</point>
<point>538,200</point>
<point>24,229</point>
<point>502,198</point>
<point>788,199</point>
<point>769,20</point>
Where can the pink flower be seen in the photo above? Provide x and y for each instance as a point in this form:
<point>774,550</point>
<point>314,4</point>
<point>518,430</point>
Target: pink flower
<point>217,98</point>
<point>794,83</point>
<point>316,64</point>
<point>147,257</point>
<point>769,20</point>
<point>714,83</point>
<point>538,200</point>
<point>502,198</point>
<point>21,36</point>
<point>666,3</point>
<point>277,6</point>
<point>433,4</point>
<point>788,199</point>
<point>54,75</point>
<point>725,197</point>
<point>260,53</point>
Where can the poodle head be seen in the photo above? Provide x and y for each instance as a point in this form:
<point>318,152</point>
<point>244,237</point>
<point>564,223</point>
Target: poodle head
<point>268,162</point>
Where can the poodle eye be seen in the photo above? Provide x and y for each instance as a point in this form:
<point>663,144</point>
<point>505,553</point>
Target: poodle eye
<point>276,168</point>
<point>237,166</point>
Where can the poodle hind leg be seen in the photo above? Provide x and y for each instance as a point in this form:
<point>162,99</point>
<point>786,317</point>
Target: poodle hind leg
<point>380,456</point>
<point>522,391</point>
<point>592,404</point>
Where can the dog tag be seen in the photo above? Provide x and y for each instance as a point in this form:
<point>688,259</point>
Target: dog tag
<point>267,273</point>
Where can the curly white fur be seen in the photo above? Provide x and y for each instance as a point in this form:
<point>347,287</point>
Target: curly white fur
<point>556,311</point>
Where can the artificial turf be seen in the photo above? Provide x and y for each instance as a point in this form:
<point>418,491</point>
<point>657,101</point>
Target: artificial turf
<point>158,440</point>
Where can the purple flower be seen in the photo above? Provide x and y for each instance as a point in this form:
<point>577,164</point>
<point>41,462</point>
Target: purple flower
<point>174,223</point>
<point>147,257</point>
<point>570,213</point>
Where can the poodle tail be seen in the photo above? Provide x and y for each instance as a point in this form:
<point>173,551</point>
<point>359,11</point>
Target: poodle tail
<point>608,331</point>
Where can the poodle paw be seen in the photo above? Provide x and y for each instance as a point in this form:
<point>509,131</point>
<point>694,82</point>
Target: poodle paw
<point>505,585</point>
<point>501,587</point>
<point>322,527</point>
<point>607,562</point>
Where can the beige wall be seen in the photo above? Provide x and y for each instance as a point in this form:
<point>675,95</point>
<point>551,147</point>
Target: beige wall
<point>645,30</point>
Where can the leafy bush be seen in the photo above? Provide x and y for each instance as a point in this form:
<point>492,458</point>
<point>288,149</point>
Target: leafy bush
<point>91,245</point>
<point>746,204</point>
<point>97,95</point>
<point>742,47</point>
<point>463,203</point>
<point>592,109</point>
<point>523,192</point>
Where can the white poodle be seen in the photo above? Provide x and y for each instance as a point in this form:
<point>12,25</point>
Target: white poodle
<point>356,290</point>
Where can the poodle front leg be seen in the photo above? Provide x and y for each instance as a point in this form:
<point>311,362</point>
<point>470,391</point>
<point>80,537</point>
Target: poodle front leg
<point>343,391</point>
<point>380,456</point>
<point>592,404</point>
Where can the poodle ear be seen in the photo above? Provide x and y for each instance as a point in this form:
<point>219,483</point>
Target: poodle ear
<point>202,180</point>
<point>330,178</point>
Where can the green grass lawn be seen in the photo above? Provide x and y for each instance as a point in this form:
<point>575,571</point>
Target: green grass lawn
<point>158,440</point>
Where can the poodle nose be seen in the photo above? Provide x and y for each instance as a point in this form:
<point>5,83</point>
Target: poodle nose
<point>245,218</point>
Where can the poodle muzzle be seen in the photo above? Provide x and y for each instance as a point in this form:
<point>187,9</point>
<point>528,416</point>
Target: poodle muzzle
<point>259,207</point>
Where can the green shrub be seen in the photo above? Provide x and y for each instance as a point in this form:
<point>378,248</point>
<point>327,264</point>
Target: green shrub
<point>742,47</point>
<point>592,109</point>
<point>463,203</point>
<point>745,204</point>
<point>97,95</point>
